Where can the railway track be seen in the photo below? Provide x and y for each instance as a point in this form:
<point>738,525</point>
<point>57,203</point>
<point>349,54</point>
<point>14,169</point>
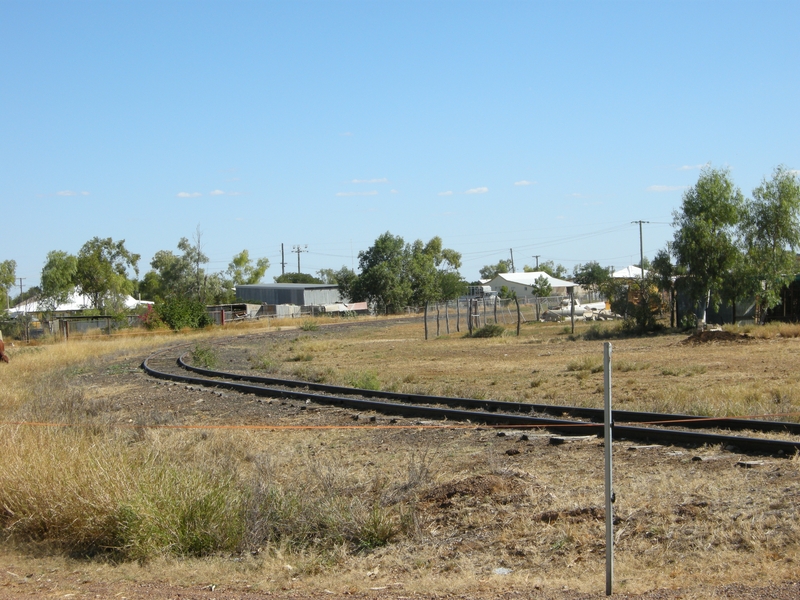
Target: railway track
<point>644,427</point>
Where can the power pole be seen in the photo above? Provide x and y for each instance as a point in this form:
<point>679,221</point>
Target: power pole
<point>641,257</point>
<point>536,256</point>
<point>25,306</point>
<point>513,270</point>
<point>283,261</point>
<point>299,249</point>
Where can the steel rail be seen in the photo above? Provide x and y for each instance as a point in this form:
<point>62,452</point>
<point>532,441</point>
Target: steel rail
<point>592,414</point>
<point>210,378</point>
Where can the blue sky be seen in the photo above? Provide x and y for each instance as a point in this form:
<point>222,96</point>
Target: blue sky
<point>543,127</point>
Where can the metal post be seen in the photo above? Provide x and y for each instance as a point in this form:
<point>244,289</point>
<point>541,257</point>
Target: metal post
<point>607,428</point>
<point>572,307</point>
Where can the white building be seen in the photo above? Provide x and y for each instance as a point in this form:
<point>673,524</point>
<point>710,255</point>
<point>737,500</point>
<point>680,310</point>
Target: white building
<point>521,283</point>
<point>75,303</point>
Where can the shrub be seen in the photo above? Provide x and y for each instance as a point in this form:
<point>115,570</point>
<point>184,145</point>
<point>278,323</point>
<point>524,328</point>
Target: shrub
<point>488,331</point>
<point>150,318</point>
<point>180,313</point>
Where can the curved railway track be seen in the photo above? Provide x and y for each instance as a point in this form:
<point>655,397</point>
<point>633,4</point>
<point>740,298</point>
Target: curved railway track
<point>170,364</point>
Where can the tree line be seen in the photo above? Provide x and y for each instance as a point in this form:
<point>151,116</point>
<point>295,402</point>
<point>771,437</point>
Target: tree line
<point>725,248</point>
<point>393,274</point>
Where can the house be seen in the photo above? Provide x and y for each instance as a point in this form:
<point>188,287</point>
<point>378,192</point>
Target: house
<point>521,283</point>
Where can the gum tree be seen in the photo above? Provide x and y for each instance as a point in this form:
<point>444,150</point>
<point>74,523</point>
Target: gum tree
<point>772,233</point>
<point>8,275</point>
<point>705,240</point>
<point>102,271</point>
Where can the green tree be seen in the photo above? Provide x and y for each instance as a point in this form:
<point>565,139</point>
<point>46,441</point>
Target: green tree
<point>590,275</point>
<point>395,274</point>
<point>102,272</point>
<point>384,281</point>
<point>176,275</point>
<point>541,288</point>
<point>327,276</point>
<point>8,275</point>
<point>242,270</point>
<point>506,293</point>
<point>558,271</point>
<point>433,271</point>
<point>492,271</point>
<point>57,279</point>
<point>705,234</point>
<point>297,278</point>
<point>345,278</point>
<point>742,281</point>
<point>772,232</point>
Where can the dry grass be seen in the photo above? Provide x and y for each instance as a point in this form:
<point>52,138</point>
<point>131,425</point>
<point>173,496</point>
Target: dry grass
<point>435,510</point>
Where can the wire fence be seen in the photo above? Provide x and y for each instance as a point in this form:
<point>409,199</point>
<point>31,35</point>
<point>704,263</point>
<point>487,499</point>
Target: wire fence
<point>467,314</point>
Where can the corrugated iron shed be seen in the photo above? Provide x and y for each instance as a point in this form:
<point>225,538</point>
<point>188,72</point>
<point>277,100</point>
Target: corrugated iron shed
<point>301,294</point>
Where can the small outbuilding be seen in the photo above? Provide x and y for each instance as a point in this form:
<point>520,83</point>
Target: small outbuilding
<point>299,294</point>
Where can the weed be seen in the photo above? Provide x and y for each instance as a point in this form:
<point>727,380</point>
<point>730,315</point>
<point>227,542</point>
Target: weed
<point>593,364</point>
<point>264,362</point>
<point>624,366</point>
<point>204,356</point>
<point>365,380</point>
<point>309,325</point>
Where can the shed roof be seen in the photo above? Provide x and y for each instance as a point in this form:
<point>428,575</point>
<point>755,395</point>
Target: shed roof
<point>530,279</point>
<point>287,286</point>
<point>629,272</point>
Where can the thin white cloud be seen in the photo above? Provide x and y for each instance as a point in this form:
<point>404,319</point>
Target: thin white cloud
<point>447,193</point>
<point>346,134</point>
<point>234,193</point>
<point>189,194</point>
<point>480,190</point>
<point>665,188</point>
<point>371,193</point>
<point>393,192</point>
<point>381,180</point>
<point>84,193</point>
<point>66,193</point>
<point>524,182</point>
<point>216,193</point>
<point>692,167</point>
<point>577,195</point>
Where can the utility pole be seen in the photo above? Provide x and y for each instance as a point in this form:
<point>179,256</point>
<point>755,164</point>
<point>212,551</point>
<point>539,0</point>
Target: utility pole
<point>298,250</point>
<point>513,270</point>
<point>641,258</point>
<point>25,310</point>
<point>24,306</point>
<point>536,256</point>
<point>283,261</point>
